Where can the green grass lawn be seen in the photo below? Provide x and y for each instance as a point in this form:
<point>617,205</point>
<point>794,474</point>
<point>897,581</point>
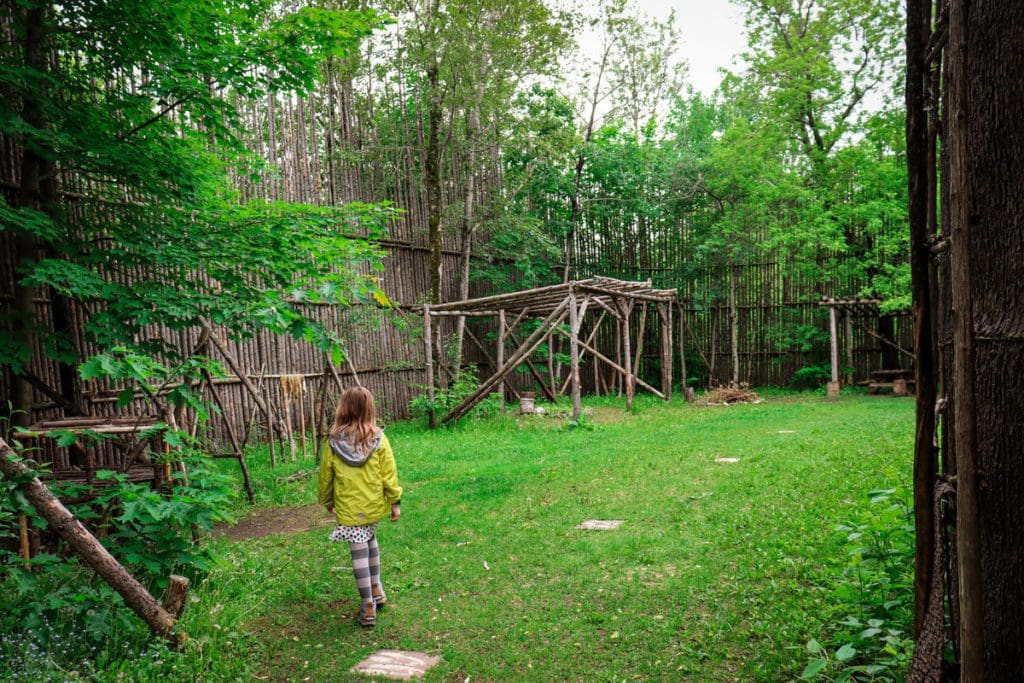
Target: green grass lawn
<point>720,572</point>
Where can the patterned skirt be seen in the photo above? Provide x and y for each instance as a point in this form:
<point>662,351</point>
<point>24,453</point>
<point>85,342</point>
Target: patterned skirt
<point>354,534</point>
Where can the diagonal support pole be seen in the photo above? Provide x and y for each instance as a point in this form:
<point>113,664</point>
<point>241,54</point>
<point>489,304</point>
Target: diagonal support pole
<point>530,345</point>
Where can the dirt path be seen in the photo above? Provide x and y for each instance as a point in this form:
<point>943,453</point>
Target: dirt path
<point>267,521</point>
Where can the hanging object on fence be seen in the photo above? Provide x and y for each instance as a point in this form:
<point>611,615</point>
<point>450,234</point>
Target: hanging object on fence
<point>292,389</point>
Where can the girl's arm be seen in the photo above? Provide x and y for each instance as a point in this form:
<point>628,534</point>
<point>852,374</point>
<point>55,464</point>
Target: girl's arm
<point>325,489</point>
<point>389,472</point>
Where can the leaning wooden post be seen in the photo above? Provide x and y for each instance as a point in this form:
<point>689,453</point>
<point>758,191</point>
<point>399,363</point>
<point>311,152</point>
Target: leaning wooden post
<point>239,454</point>
<point>833,386</point>
<point>135,595</point>
<point>574,354</point>
<point>429,356</point>
<point>273,418</point>
<point>501,356</point>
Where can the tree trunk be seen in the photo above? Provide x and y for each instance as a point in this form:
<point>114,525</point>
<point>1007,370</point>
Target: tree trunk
<point>37,190</point>
<point>918,31</point>
<point>574,201</point>
<point>433,178</point>
<point>85,544</point>
<point>734,329</point>
<point>468,219</point>
<point>986,209</point>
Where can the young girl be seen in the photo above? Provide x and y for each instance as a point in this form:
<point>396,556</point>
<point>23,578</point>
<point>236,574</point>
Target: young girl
<point>358,482</point>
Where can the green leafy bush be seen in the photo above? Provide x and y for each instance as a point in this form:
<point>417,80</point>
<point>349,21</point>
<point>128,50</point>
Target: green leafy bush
<point>811,376</point>
<point>464,384</point>
<point>872,640</point>
<point>56,616</point>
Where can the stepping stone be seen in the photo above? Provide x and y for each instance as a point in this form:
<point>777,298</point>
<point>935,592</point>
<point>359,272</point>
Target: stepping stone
<point>399,665</point>
<point>600,524</point>
<point>727,460</point>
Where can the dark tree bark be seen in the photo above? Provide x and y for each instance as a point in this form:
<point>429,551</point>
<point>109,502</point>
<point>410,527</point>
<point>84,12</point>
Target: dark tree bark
<point>986,213</point>
<point>433,178</point>
<point>918,31</point>
<point>37,190</point>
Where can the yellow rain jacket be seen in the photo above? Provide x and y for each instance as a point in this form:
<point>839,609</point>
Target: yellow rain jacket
<point>360,488</point>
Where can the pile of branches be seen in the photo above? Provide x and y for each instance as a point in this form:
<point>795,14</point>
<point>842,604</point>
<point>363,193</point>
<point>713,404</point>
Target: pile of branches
<point>728,395</point>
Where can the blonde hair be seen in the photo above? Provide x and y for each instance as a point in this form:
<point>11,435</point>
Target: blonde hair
<point>356,419</point>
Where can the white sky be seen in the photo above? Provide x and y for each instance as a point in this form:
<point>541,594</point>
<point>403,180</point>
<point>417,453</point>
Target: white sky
<point>712,35</point>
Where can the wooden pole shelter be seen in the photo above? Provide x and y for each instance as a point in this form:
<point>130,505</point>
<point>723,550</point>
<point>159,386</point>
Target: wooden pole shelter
<point>847,307</point>
<point>157,616</point>
<point>551,306</point>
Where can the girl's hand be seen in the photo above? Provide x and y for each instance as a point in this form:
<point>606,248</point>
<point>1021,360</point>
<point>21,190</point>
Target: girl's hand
<point>396,512</point>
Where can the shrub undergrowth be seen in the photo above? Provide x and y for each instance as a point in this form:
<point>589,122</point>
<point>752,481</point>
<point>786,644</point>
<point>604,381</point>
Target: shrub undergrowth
<point>870,638</point>
<point>58,619</point>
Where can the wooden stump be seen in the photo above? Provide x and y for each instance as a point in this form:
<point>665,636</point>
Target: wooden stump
<point>833,389</point>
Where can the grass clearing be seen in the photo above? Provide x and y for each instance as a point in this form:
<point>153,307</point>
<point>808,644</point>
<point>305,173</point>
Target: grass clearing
<point>721,570</point>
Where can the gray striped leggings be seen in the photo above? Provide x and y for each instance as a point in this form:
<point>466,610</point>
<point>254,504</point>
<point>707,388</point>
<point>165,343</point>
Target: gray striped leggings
<point>366,566</point>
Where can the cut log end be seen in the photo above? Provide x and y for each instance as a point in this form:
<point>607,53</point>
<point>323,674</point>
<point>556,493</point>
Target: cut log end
<point>174,596</point>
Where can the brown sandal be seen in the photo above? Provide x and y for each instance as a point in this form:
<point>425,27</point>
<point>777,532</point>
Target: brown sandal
<point>368,614</point>
<point>379,598</point>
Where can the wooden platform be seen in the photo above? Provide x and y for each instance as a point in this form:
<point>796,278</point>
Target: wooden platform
<point>884,381</point>
<point>888,387</point>
<point>118,444</point>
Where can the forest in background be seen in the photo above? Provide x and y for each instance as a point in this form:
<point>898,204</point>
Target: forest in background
<point>528,143</point>
<point>521,143</point>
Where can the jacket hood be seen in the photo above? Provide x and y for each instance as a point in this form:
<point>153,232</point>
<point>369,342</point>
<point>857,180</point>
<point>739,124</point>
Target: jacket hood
<point>348,453</point>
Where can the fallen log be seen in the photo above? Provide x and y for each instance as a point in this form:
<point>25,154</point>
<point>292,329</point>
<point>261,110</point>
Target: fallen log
<point>135,595</point>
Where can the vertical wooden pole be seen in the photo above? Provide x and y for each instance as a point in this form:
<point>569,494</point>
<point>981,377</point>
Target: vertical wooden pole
<point>833,334</point>
<point>574,354</point>
<point>965,218</point>
<point>665,325</point>
<point>682,353</point>
<point>302,417</point>
<point>501,356</point>
<point>26,549</point>
<point>617,385</point>
<point>640,336</point>
<point>848,317</point>
<point>428,350</point>
<point>833,342</point>
<point>286,397</point>
<point>921,178</point>
<point>627,356</point>
<point>734,328</point>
